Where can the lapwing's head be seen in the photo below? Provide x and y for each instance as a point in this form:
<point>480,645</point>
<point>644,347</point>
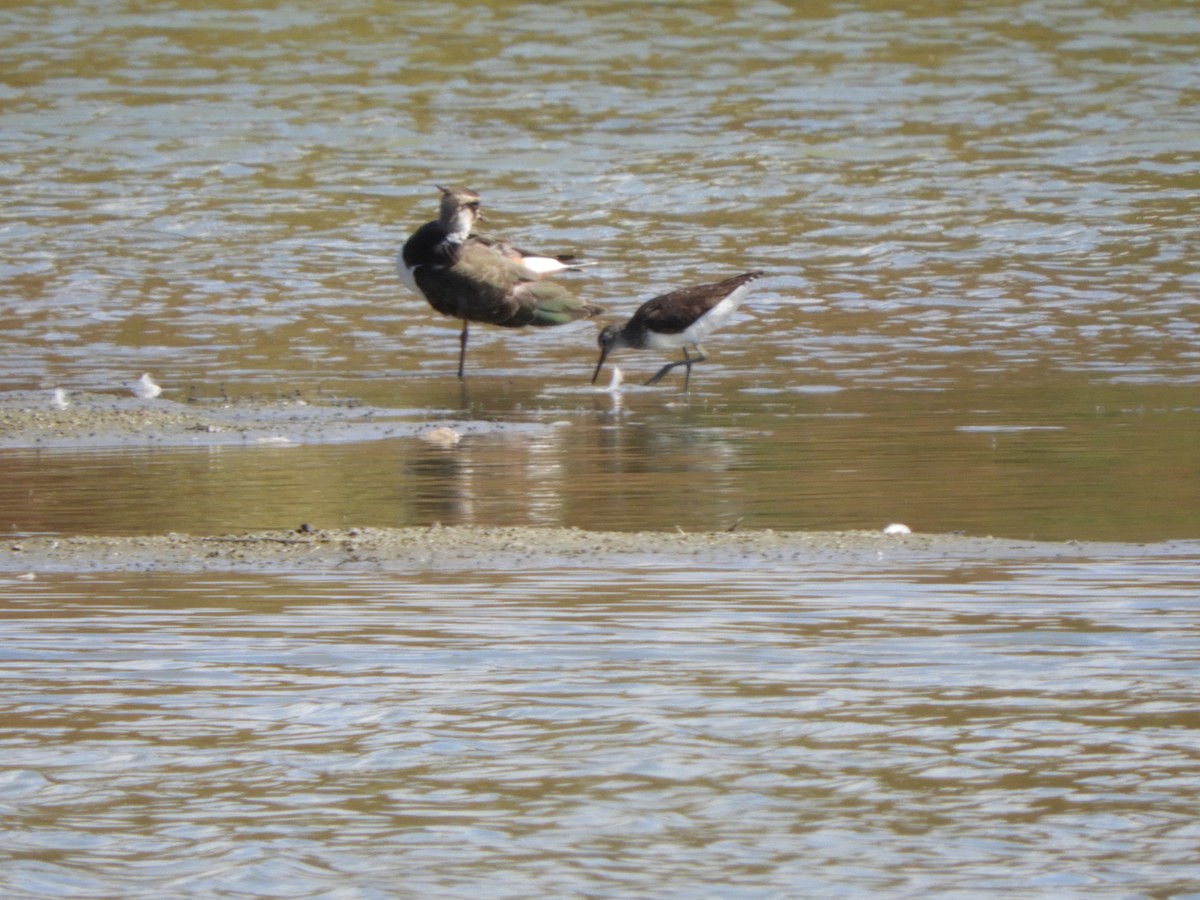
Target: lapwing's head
<point>460,211</point>
<point>609,340</point>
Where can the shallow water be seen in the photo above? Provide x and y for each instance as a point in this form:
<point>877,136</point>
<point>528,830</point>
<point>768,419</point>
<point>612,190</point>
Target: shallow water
<point>947,461</point>
<point>956,729</point>
<point>979,226</point>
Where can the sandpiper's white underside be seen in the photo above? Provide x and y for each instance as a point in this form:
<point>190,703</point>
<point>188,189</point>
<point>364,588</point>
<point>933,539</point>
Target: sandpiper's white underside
<point>702,327</point>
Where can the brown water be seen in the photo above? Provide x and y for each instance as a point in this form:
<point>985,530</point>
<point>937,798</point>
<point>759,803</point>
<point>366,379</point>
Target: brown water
<point>1076,462</point>
<point>958,730</point>
<point>980,228</point>
<point>980,225</point>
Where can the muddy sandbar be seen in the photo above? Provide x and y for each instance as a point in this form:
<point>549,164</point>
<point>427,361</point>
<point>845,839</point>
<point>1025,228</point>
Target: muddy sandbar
<point>96,421</point>
<point>466,548</point>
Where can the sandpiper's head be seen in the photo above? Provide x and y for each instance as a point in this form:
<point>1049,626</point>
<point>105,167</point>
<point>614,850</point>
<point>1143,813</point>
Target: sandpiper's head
<point>460,211</point>
<point>609,340</point>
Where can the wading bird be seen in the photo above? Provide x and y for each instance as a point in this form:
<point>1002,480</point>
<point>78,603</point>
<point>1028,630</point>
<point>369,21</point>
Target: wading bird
<point>482,279</point>
<point>680,319</point>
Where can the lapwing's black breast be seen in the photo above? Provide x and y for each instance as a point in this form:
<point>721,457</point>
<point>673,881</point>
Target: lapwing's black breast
<point>428,247</point>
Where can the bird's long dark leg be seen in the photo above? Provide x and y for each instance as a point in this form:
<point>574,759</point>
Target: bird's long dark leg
<point>462,352</point>
<point>688,360</point>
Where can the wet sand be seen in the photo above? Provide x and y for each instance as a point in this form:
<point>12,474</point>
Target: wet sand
<point>29,419</point>
<point>466,548</point>
<point>103,421</point>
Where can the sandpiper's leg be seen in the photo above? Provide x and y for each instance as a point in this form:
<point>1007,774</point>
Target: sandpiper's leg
<point>462,352</point>
<point>700,354</point>
<point>663,371</point>
<point>688,360</point>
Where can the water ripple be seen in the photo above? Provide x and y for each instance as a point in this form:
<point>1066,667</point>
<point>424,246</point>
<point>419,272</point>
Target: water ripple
<point>933,730</point>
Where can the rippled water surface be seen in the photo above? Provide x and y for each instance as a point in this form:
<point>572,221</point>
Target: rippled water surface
<point>956,730</point>
<point>979,225</point>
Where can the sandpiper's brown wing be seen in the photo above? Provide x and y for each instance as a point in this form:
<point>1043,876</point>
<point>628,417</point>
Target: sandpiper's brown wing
<point>675,312</point>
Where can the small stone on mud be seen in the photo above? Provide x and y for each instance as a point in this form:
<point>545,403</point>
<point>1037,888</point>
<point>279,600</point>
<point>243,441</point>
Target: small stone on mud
<point>442,436</point>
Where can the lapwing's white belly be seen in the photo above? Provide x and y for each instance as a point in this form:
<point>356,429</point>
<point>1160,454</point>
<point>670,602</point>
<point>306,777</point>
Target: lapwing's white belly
<point>406,276</point>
